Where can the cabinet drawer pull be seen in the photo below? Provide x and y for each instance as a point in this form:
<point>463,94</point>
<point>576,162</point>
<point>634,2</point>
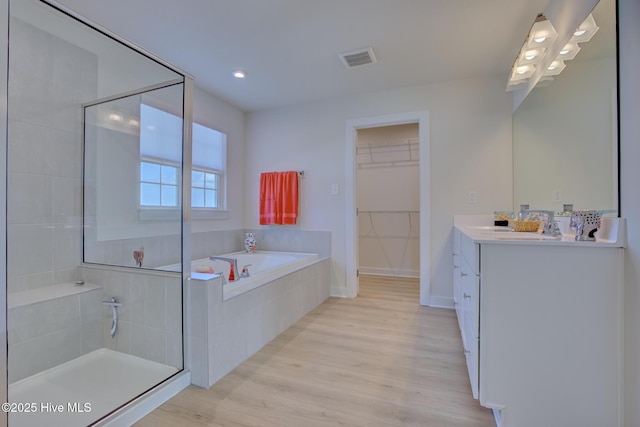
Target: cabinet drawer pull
<point>455,266</point>
<point>467,296</point>
<point>463,274</point>
<point>467,352</point>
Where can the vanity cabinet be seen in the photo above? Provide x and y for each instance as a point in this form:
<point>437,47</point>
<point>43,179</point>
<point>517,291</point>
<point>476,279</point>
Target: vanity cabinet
<point>542,330</point>
<point>457,289</point>
<point>466,300</point>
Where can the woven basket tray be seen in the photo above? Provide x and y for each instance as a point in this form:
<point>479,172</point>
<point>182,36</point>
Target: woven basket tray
<point>525,226</point>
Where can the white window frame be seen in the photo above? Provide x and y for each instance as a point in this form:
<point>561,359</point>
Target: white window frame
<point>221,212</point>
<point>157,212</point>
<point>218,189</point>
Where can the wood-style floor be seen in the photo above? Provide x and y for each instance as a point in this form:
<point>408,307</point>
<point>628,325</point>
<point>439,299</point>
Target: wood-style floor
<point>377,360</point>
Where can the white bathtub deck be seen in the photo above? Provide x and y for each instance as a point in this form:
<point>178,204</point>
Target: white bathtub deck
<point>104,378</point>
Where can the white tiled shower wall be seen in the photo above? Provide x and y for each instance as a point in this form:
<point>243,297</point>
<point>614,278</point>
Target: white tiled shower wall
<point>45,156</point>
<point>48,80</point>
<point>150,317</point>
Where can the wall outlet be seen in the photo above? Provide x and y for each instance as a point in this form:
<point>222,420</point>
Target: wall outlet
<point>472,197</point>
<point>556,195</point>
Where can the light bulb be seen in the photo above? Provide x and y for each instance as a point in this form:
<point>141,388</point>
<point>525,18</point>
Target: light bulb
<point>579,32</point>
<point>539,39</point>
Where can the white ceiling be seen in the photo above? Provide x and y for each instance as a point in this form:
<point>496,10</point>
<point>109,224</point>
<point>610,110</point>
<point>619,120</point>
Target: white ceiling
<point>290,47</point>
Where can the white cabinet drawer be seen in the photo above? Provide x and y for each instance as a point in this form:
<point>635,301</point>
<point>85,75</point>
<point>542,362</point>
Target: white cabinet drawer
<point>470,252</point>
<point>470,284</point>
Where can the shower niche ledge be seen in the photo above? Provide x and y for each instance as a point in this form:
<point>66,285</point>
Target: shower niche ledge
<point>48,293</point>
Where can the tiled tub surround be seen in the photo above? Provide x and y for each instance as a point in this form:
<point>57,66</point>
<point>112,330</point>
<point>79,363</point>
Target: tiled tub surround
<point>263,266</point>
<point>160,250</point>
<point>275,238</point>
<point>223,334</point>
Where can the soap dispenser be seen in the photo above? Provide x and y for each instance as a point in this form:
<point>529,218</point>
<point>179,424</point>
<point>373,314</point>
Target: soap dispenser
<point>521,214</point>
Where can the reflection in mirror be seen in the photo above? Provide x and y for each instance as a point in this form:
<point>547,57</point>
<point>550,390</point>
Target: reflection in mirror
<point>133,159</point>
<point>565,142</point>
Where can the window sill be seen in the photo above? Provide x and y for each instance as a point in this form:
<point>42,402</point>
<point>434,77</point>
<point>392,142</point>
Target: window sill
<point>204,214</point>
<point>166,214</point>
<point>159,214</point>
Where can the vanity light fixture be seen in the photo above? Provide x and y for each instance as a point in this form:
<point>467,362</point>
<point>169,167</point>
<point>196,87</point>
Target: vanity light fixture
<point>585,31</point>
<point>541,35</point>
<point>239,74</point>
<point>115,117</point>
<point>531,56</point>
<point>555,68</point>
<point>569,51</point>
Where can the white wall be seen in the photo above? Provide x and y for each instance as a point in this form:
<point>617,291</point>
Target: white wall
<point>629,33</point>
<point>470,140</point>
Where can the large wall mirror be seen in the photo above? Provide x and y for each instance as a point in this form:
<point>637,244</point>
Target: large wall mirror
<point>565,135</point>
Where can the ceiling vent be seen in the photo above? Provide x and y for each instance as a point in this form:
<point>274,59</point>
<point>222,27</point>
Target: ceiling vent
<point>358,57</point>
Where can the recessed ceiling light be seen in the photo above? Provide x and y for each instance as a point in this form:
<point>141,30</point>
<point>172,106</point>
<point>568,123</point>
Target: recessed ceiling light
<point>239,74</point>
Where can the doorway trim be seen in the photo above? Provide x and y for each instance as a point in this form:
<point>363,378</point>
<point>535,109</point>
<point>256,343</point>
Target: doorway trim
<point>351,219</point>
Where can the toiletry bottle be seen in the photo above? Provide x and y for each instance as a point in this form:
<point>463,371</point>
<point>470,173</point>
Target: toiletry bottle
<point>521,213</point>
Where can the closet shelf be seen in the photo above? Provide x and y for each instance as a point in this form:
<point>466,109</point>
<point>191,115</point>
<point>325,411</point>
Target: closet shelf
<point>402,152</point>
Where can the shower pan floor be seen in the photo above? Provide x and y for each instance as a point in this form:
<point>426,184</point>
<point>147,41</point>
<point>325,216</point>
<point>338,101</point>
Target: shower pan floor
<point>104,379</point>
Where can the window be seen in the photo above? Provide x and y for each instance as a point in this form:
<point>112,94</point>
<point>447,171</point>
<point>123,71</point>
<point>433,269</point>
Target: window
<point>158,185</point>
<point>204,189</point>
<point>209,165</point>
<point>160,154</point>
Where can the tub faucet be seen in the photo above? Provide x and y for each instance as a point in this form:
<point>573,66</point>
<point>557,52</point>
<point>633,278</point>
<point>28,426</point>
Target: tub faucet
<point>233,265</point>
<point>245,271</point>
<point>550,227</point>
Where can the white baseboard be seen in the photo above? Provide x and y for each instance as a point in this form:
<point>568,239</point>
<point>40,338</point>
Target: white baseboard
<point>339,292</point>
<point>441,302</point>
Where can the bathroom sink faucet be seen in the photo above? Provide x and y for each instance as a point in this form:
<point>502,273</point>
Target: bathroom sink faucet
<point>233,264</point>
<point>550,227</point>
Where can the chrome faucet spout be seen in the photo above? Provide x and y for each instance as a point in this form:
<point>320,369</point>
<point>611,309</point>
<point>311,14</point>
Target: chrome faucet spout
<point>233,262</point>
<point>550,227</point>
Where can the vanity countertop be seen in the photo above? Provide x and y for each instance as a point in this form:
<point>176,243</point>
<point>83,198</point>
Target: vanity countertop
<point>480,229</point>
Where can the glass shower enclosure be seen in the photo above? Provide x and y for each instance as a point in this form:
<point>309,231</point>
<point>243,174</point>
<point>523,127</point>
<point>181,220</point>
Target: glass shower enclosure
<point>93,320</point>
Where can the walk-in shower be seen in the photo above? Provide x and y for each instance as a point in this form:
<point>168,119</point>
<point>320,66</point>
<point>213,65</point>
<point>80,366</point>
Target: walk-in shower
<point>91,328</point>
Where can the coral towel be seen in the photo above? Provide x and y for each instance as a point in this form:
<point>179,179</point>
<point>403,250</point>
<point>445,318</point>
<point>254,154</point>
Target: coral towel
<point>278,197</point>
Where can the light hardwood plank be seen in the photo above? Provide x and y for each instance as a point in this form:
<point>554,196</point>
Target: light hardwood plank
<point>377,360</point>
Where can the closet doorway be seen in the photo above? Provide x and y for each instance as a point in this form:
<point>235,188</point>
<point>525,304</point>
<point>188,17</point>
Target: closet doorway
<point>387,199</point>
<point>388,194</point>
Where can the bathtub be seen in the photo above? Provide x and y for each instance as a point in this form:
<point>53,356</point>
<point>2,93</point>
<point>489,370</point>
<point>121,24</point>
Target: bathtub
<point>263,266</point>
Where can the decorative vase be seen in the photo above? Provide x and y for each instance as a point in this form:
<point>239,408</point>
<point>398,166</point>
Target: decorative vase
<point>250,242</point>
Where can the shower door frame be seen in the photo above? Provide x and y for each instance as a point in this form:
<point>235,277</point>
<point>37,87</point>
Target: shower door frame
<point>135,410</point>
<point>4,83</point>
